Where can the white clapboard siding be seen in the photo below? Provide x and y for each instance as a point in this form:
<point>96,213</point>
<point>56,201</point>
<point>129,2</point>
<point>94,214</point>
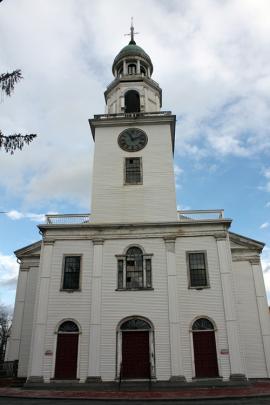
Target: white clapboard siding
<point>27,320</point>
<point>250,330</point>
<point>75,305</point>
<point>204,303</point>
<point>117,305</point>
<point>154,200</point>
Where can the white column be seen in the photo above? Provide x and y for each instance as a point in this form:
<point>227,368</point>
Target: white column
<point>225,263</point>
<point>174,313</point>
<point>95,315</point>
<point>35,370</point>
<point>16,330</point>
<point>146,104</point>
<point>124,67</point>
<point>138,67</point>
<point>263,309</point>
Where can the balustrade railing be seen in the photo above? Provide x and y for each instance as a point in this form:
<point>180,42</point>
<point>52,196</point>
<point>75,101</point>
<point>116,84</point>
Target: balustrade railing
<point>69,219</point>
<point>132,115</point>
<point>185,215</point>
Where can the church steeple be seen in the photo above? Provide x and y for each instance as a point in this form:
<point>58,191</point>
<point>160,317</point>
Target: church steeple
<point>132,69</point>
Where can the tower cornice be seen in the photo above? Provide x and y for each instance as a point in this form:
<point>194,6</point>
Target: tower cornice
<point>134,119</point>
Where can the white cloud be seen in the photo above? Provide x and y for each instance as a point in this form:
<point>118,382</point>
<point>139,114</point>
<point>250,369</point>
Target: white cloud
<point>177,170</point>
<point>265,225</point>
<point>8,271</point>
<point>267,205</point>
<point>16,215</point>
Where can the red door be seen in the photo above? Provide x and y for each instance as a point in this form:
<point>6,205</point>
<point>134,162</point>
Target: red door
<point>66,356</point>
<point>205,354</point>
<point>135,355</point>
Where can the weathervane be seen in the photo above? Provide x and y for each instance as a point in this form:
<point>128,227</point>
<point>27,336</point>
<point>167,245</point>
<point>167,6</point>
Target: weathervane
<point>132,33</point>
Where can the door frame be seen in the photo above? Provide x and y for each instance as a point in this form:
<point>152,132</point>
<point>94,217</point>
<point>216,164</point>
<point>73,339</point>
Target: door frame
<point>56,331</point>
<point>151,335</point>
<point>192,345</point>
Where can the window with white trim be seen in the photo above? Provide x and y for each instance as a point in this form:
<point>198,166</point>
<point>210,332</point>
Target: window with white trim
<point>134,270</point>
<point>71,273</point>
<point>133,170</point>
<point>197,270</point>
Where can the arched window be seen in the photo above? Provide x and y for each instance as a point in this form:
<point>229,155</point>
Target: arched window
<point>202,324</point>
<point>135,324</point>
<point>132,69</point>
<point>132,101</point>
<point>134,270</point>
<point>68,327</point>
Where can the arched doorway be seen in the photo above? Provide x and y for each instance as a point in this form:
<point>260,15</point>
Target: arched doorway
<point>136,345</point>
<point>204,345</point>
<point>67,351</point>
<point>132,101</point>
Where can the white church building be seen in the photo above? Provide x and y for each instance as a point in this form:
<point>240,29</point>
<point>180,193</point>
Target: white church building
<point>138,290</point>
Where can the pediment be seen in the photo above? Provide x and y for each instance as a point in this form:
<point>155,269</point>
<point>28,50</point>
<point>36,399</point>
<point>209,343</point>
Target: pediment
<point>240,242</point>
<point>29,251</point>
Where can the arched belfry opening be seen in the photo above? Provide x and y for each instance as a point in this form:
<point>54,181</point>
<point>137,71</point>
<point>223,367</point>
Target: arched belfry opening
<point>132,101</point>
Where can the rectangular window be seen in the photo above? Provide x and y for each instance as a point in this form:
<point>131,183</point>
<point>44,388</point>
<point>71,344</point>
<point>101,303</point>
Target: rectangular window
<point>197,269</point>
<point>133,170</point>
<point>71,275</point>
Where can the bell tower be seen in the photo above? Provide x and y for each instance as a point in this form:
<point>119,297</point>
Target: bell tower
<point>132,90</point>
<point>133,177</point>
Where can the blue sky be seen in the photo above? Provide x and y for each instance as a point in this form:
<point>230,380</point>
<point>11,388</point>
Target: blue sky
<point>210,57</point>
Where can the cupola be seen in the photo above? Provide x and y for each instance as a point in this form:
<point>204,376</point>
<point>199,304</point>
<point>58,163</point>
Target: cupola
<point>132,90</point>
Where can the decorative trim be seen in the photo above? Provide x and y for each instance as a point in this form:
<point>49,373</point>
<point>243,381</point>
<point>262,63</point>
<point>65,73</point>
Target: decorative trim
<point>98,241</point>
<point>220,236</point>
<point>250,259</point>
<point>255,260</point>
<point>48,242</point>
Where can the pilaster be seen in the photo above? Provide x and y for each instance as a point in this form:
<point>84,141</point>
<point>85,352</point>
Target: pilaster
<point>95,314</point>
<point>174,313</point>
<point>225,263</point>
<point>15,339</point>
<point>35,371</point>
<point>263,310</point>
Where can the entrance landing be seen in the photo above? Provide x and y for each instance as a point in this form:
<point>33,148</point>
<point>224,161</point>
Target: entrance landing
<point>255,389</point>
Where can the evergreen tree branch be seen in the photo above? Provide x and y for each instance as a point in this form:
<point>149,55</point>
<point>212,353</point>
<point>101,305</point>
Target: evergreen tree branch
<point>12,142</point>
<point>8,80</point>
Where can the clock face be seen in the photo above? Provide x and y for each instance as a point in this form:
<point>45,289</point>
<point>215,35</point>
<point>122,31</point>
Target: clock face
<point>132,139</point>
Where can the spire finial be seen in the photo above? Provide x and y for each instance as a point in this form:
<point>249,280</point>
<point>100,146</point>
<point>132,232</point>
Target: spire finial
<point>132,33</point>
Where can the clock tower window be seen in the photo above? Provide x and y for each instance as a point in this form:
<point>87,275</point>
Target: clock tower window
<point>133,170</point>
<point>132,101</point>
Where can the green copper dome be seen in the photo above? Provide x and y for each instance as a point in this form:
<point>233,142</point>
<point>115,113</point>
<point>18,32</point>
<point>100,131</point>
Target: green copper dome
<point>132,50</point>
